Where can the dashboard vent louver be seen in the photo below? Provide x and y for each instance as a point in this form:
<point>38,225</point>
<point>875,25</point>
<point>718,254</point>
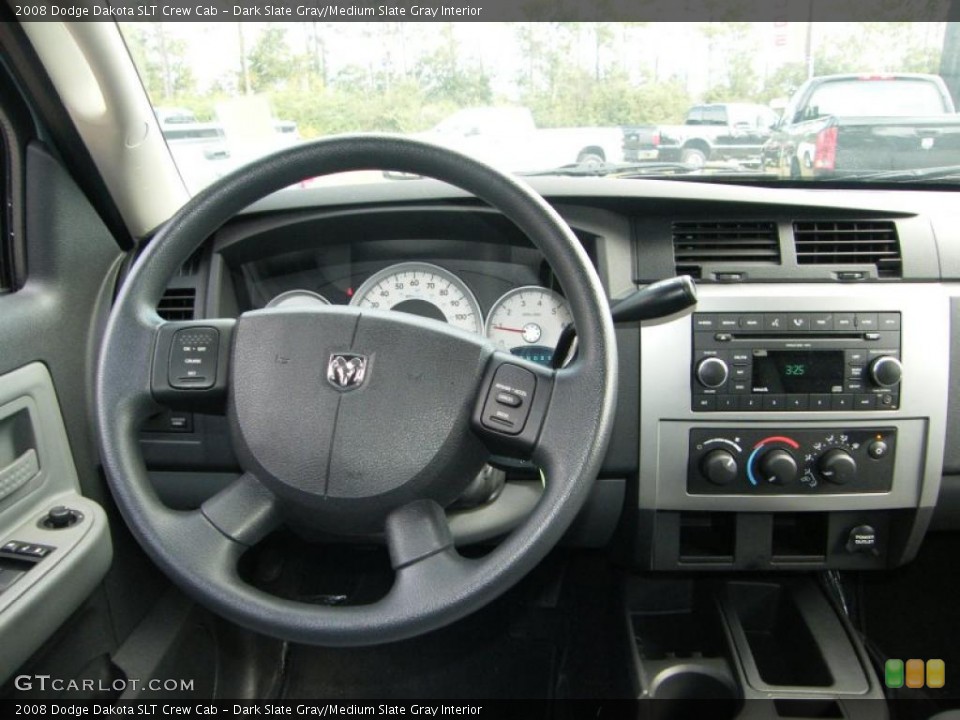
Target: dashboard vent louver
<point>849,242</point>
<point>735,244</point>
<point>192,265</point>
<point>177,304</point>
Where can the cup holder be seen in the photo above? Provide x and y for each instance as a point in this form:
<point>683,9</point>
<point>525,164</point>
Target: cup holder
<point>676,689</point>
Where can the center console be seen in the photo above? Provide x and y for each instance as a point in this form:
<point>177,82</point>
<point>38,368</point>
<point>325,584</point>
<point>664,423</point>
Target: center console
<point>787,426</point>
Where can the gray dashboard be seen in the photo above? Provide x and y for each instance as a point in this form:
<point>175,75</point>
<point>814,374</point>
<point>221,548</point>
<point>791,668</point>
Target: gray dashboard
<point>631,230</point>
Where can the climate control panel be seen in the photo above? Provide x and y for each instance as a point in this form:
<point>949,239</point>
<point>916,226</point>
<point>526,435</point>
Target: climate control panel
<point>756,461</point>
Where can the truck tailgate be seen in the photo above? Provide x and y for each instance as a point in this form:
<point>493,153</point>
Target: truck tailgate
<point>897,143</point>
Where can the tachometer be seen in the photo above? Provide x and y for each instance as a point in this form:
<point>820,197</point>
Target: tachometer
<point>422,289</point>
<point>527,322</point>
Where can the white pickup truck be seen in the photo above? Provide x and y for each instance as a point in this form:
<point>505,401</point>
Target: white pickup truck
<point>508,138</point>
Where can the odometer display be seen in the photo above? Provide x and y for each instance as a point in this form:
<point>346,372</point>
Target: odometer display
<point>421,289</point>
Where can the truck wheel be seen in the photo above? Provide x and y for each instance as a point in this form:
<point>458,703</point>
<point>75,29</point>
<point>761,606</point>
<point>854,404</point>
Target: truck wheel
<point>694,157</point>
<point>589,157</point>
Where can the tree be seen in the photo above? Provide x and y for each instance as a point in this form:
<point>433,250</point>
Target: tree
<point>271,63</point>
<point>444,77</point>
<point>161,60</point>
<point>950,59</point>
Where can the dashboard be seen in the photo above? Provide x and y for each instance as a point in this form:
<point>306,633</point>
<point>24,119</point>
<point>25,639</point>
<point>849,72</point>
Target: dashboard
<point>804,415</point>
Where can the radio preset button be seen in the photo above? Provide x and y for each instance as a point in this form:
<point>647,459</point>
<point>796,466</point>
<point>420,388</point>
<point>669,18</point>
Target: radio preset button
<point>820,402</point>
<point>842,402</point>
<point>751,402</point>
<point>774,402</point>
<point>727,402</point>
<point>797,402</point>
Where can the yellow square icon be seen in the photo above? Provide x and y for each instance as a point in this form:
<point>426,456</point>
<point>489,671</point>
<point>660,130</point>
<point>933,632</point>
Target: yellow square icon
<point>914,673</point>
<point>936,673</point>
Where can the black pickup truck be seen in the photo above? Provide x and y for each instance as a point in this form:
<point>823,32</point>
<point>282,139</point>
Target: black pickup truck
<point>710,132</point>
<point>841,125</point>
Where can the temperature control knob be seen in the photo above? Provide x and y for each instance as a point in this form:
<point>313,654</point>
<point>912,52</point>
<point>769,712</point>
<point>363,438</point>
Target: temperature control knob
<point>777,467</point>
<point>712,372</point>
<point>886,371</point>
<point>719,467</point>
<point>837,466</point>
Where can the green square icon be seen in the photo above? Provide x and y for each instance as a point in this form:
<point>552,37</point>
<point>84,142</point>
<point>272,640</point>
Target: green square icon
<point>893,673</point>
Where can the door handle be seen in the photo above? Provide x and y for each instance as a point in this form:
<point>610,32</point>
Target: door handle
<point>18,473</point>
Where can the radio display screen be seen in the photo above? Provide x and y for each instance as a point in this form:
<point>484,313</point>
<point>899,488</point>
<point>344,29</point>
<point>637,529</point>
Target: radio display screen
<point>797,371</point>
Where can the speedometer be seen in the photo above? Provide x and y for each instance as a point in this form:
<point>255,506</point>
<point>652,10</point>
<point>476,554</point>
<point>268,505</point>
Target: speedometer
<point>528,321</point>
<point>422,289</point>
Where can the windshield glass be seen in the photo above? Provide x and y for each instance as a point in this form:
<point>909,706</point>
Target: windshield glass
<point>772,100</point>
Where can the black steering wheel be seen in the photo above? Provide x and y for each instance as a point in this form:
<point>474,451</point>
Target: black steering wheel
<point>350,420</point>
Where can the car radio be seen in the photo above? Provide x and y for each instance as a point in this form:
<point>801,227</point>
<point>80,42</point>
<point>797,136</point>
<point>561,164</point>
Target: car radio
<point>777,362</point>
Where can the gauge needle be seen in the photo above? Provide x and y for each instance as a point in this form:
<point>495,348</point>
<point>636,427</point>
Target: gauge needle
<point>508,329</point>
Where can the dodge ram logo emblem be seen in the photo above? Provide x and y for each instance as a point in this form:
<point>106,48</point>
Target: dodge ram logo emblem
<point>346,371</point>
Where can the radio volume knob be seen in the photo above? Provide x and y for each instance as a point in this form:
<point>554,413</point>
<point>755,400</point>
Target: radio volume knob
<point>886,371</point>
<point>837,466</point>
<point>712,372</point>
<point>719,467</point>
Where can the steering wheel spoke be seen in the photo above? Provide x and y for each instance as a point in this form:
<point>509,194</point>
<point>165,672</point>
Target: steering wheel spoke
<point>190,364</point>
<point>245,511</point>
<point>512,403</point>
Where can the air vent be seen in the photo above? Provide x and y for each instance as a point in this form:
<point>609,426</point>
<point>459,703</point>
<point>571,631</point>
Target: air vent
<point>177,304</point>
<point>849,242</point>
<point>734,244</point>
<point>192,265</point>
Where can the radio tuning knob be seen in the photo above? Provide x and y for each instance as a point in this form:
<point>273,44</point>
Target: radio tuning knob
<point>712,372</point>
<point>719,467</point>
<point>837,466</point>
<point>886,371</point>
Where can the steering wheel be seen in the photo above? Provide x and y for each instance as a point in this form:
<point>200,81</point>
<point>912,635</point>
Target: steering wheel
<point>352,420</point>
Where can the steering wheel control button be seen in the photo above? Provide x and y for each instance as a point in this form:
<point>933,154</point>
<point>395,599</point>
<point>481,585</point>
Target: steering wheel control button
<point>508,402</point>
<point>509,399</point>
<point>862,539</point>
<point>193,358</point>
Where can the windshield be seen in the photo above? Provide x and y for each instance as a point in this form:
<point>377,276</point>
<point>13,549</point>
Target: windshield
<point>766,100</point>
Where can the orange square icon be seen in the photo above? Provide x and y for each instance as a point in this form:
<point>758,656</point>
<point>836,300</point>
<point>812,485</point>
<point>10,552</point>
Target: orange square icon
<point>936,673</point>
<point>915,673</point>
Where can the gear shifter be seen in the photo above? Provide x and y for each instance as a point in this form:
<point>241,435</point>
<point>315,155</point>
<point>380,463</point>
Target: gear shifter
<point>657,300</point>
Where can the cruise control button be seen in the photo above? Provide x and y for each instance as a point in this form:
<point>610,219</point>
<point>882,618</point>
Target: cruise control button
<point>509,399</point>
